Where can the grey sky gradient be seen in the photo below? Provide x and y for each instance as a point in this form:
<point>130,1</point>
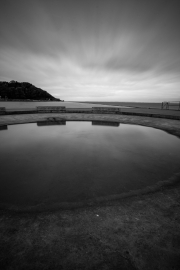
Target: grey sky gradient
<point>93,50</point>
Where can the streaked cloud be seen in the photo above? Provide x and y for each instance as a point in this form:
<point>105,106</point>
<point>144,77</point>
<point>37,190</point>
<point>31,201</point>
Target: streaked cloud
<point>93,50</point>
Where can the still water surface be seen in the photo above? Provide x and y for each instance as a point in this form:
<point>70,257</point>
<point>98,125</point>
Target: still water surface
<point>77,161</point>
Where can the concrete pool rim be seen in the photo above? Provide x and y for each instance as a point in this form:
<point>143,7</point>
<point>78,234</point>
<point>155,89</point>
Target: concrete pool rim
<point>170,126</point>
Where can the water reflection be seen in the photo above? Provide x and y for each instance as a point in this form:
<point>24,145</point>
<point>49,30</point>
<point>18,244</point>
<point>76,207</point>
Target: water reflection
<point>51,123</point>
<point>78,161</point>
<point>105,123</point>
<point>4,127</point>
<point>55,121</point>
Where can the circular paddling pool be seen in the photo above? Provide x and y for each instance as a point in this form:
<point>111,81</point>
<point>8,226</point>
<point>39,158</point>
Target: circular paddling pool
<point>56,162</point>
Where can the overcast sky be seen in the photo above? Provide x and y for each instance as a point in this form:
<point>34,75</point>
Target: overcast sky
<point>93,50</point>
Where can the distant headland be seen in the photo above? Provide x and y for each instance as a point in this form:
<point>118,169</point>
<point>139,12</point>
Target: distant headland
<point>23,91</point>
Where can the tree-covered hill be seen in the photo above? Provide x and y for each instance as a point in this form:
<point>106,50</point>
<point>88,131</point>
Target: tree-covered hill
<point>23,90</point>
